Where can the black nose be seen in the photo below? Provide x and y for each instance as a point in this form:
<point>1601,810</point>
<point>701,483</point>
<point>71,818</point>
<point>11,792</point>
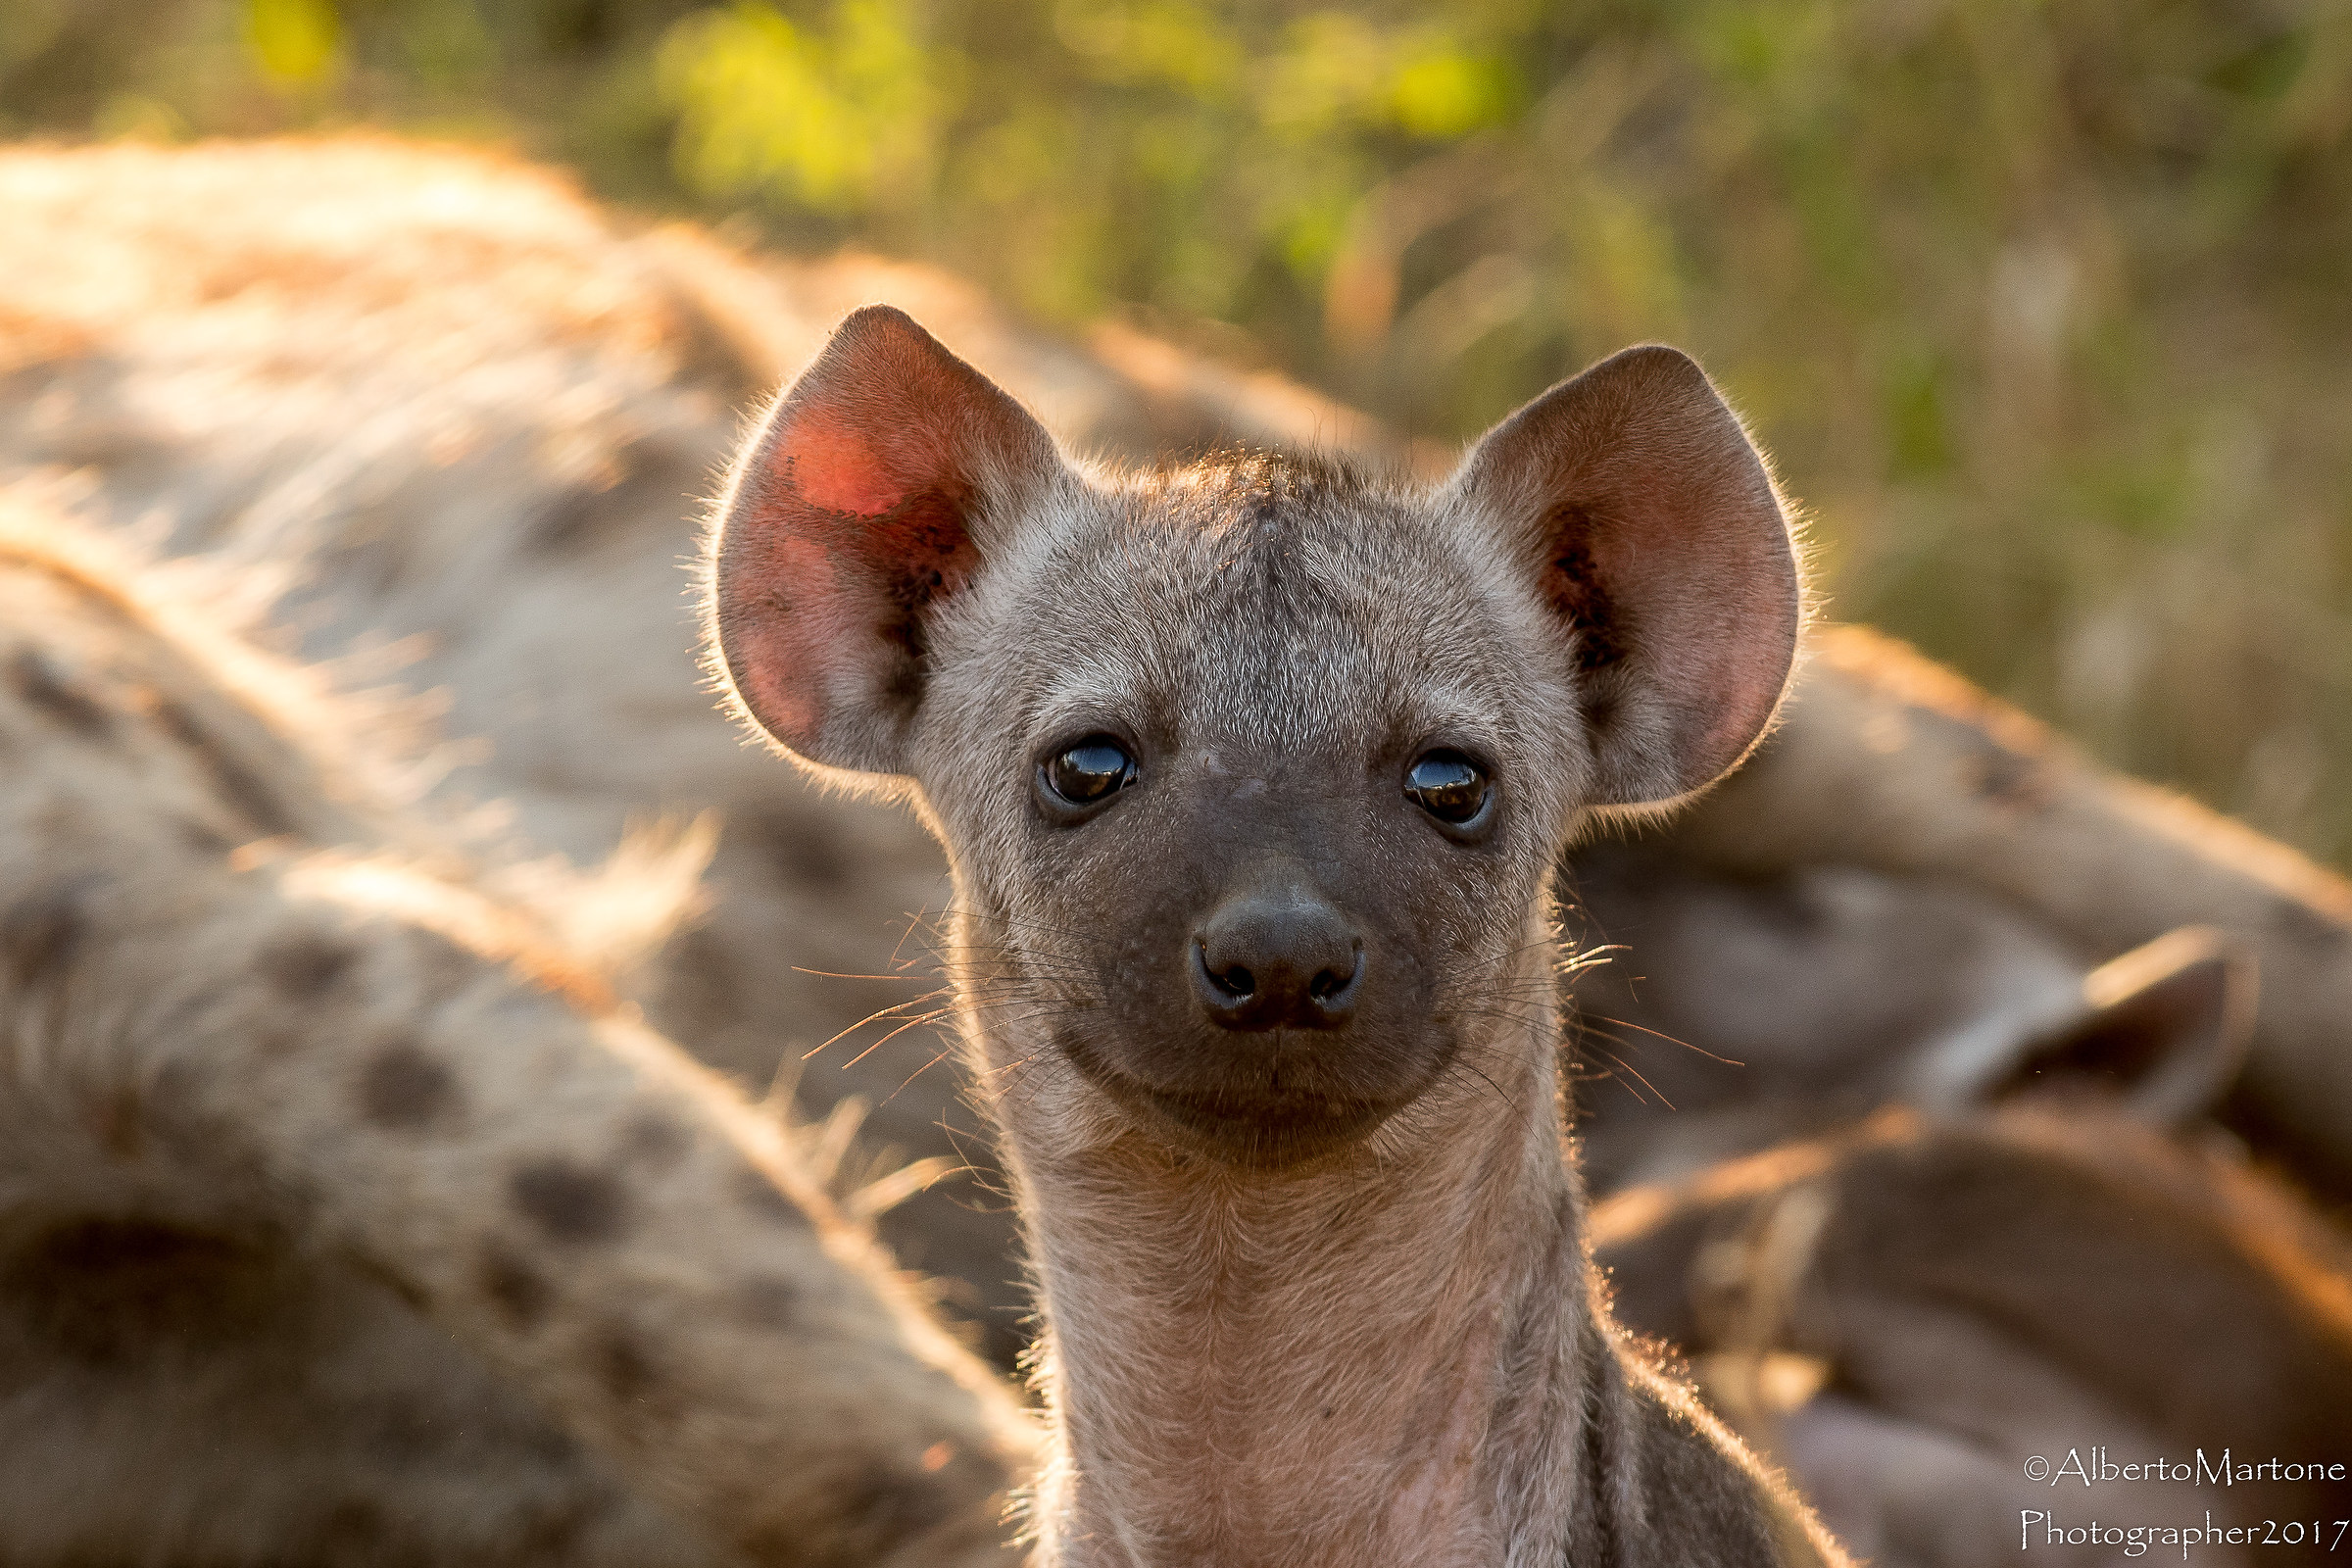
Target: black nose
<point>1280,961</point>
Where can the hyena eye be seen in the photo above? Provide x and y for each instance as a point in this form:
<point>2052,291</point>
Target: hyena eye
<point>1449,786</point>
<point>1091,772</point>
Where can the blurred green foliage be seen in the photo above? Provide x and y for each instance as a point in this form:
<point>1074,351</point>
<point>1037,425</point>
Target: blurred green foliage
<point>2042,304</point>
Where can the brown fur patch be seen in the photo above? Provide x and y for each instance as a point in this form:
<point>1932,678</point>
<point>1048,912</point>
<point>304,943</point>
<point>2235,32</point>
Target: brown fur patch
<point>113,1293</point>
<point>516,1290</point>
<point>59,691</point>
<point>626,1368</point>
<point>571,1202</point>
<point>406,1087</point>
<point>306,965</point>
<point>241,786</point>
<point>41,932</point>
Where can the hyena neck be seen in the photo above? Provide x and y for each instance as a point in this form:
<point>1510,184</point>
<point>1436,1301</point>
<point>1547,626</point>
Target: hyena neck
<point>1380,1360</point>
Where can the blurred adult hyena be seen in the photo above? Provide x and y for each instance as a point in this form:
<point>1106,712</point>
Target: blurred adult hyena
<point>446,402</point>
<point>1909,1314</point>
<point>346,1218</point>
<point>1920,993</point>
<point>452,406</point>
<point>1928,861</point>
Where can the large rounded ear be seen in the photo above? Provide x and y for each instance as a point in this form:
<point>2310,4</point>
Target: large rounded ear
<point>854,510</point>
<point>1659,543</point>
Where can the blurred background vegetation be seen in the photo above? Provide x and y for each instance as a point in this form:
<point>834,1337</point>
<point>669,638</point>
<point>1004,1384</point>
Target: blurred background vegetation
<point>2041,304</point>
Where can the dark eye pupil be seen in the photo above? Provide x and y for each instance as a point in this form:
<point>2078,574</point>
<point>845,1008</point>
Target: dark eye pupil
<point>1090,770</point>
<point>1448,785</point>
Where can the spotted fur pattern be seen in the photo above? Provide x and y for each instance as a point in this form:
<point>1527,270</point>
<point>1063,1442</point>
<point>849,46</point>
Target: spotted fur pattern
<point>345,1215</point>
<point>458,418</point>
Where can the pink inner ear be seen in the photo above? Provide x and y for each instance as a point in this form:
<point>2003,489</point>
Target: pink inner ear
<point>848,520</point>
<point>823,578</point>
<point>783,567</point>
<point>832,466</point>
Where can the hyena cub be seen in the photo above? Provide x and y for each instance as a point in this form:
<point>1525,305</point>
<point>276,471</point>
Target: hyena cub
<point>1253,776</point>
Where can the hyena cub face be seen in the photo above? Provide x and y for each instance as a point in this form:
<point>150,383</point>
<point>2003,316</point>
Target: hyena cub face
<point>1251,773</point>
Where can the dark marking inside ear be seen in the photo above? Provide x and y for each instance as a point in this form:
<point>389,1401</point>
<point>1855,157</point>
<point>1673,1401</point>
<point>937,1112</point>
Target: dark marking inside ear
<point>521,1296</point>
<point>2113,1048</point>
<point>59,691</point>
<point>1572,586</point>
<point>405,1087</point>
<point>571,1202</point>
<point>926,534</point>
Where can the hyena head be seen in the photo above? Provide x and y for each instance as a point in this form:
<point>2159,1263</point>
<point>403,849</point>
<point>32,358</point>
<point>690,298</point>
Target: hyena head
<point>1250,772</point>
